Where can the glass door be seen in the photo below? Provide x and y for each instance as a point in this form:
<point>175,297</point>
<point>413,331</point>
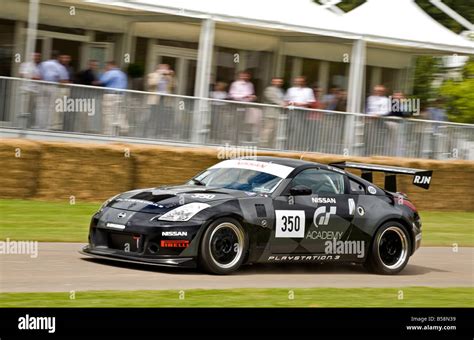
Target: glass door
<point>183,62</point>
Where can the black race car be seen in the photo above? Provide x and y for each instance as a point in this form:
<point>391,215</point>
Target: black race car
<point>264,210</point>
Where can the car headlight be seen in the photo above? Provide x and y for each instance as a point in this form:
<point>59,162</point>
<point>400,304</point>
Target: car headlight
<point>184,213</point>
<point>106,203</point>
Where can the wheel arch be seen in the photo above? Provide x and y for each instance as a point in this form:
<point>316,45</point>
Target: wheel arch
<point>239,218</point>
<point>405,223</point>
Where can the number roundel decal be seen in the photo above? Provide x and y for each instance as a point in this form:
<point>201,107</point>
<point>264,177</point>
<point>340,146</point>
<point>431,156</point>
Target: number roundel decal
<point>289,223</point>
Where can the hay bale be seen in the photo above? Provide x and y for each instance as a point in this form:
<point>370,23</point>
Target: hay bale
<point>86,171</point>
<point>159,165</point>
<point>20,166</point>
<point>57,171</point>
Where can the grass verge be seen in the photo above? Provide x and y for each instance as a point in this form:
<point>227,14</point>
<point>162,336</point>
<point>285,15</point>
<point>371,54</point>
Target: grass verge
<point>63,222</point>
<point>312,297</point>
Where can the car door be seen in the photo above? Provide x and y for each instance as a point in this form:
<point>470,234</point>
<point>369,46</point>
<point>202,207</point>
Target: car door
<point>314,209</point>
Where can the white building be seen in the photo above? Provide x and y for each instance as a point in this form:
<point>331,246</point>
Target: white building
<point>209,40</point>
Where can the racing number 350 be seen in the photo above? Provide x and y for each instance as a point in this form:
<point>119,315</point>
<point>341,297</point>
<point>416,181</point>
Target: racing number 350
<point>289,223</point>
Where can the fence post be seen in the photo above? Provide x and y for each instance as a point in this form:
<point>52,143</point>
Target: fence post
<point>203,75</point>
<point>354,98</point>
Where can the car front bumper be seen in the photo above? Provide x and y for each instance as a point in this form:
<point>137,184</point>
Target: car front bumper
<point>104,253</point>
<point>140,240</point>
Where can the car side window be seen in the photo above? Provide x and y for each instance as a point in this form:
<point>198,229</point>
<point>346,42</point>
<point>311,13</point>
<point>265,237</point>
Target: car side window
<point>321,182</point>
<point>356,187</point>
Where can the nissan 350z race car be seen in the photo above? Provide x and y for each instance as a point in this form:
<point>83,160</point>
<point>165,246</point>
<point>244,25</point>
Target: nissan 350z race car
<point>264,210</point>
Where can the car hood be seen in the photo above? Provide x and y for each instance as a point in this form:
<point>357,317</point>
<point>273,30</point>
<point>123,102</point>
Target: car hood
<point>161,200</point>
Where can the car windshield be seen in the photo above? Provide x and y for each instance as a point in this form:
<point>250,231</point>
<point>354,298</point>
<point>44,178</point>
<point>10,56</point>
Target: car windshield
<point>238,179</point>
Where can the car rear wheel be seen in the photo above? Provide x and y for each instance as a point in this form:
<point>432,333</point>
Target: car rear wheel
<point>390,249</point>
<point>223,246</point>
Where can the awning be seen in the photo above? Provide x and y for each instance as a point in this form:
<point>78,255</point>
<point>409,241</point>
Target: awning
<point>390,22</point>
<point>402,22</point>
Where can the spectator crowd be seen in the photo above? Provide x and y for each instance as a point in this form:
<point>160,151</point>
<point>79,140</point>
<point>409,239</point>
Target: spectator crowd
<point>162,120</point>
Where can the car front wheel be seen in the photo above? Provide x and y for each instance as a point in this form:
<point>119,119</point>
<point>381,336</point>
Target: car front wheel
<point>390,249</point>
<point>223,246</point>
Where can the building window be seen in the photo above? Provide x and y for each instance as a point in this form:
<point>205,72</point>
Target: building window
<point>338,74</point>
<point>311,71</point>
<point>288,71</point>
<point>389,79</point>
<point>7,29</point>
<point>258,63</point>
<point>226,68</point>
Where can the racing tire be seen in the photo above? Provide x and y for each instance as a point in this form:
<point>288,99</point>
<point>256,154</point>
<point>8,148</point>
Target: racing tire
<point>223,247</point>
<point>390,250</point>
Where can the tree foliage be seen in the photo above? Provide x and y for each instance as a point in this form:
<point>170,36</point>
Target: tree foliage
<point>460,96</point>
<point>425,71</point>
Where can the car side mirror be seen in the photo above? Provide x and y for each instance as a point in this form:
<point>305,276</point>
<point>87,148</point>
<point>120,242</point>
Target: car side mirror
<point>300,190</point>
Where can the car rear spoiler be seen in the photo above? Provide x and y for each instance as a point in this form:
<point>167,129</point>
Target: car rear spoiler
<point>421,178</point>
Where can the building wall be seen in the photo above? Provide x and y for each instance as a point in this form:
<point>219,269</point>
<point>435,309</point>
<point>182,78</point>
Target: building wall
<point>59,15</point>
<point>117,34</point>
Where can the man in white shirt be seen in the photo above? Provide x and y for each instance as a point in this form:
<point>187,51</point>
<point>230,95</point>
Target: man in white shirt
<point>378,104</point>
<point>242,89</point>
<point>249,118</point>
<point>299,95</point>
<point>30,69</point>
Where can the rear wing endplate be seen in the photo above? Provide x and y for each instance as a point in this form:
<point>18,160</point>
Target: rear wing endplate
<point>421,178</point>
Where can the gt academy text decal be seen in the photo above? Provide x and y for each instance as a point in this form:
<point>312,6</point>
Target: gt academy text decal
<point>289,223</point>
<point>324,235</point>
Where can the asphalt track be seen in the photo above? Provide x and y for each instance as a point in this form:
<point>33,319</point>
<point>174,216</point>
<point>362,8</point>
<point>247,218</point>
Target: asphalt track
<point>60,268</point>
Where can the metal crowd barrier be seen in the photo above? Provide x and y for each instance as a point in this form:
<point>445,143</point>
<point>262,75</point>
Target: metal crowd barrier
<point>28,104</point>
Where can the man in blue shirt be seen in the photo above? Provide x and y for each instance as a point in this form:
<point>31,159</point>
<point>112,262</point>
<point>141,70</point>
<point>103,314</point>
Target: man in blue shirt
<point>113,77</point>
<point>53,70</point>
<point>114,117</point>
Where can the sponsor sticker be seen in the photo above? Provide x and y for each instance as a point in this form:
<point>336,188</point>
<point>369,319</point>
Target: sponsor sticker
<point>203,196</point>
<point>322,215</point>
<point>174,233</point>
<point>422,180</point>
<point>132,200</point>
<point>290,223</point>
<point>323,200</point>
<point>302,258</point>
<point>372,190</point>
<point>174,243</point>
<point>278,170</point>
<point>351,206</point>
